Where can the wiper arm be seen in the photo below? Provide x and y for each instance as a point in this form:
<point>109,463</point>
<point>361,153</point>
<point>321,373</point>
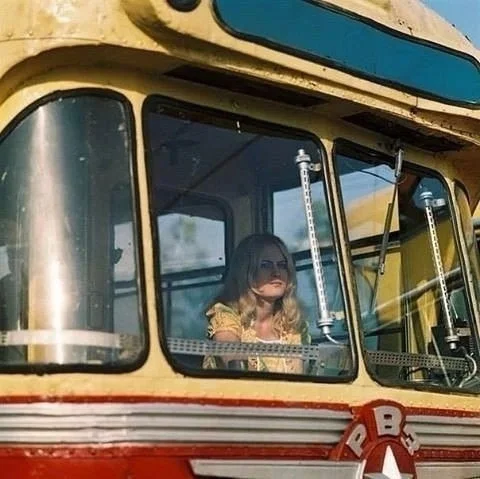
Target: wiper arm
<point>386,228</point>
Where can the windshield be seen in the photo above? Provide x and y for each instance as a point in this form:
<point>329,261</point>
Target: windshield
<point>68,275</point>
<point>228,203</point>
<point>416,320</point>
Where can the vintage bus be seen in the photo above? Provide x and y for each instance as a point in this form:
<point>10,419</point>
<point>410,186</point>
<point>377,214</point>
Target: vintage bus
<point>141,140</point>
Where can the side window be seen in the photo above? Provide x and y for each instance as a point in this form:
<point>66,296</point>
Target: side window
<point>192,263</point>
<point>238,294</point>
<point>68,262</point>
<point>469,226</point>
<point>416,322</point>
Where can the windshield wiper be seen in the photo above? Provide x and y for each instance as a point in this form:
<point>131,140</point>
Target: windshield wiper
<point>386,228</point>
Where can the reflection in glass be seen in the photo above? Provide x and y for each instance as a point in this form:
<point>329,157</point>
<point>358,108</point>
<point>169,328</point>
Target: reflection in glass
<point>419,329</point>
<point>195,246</point>
<point>65,191</point>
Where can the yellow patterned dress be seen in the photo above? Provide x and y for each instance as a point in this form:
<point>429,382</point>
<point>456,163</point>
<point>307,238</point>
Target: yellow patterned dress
<point>224,318</point>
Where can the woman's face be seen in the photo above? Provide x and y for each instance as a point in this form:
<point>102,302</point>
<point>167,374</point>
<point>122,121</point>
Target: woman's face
<point>272,274</point>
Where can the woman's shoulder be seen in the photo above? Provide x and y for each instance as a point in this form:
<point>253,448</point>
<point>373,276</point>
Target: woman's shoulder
<point>221,308</point>
<point>223,318</point>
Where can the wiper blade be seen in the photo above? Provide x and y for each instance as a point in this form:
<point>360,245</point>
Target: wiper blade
<point>387,227</point>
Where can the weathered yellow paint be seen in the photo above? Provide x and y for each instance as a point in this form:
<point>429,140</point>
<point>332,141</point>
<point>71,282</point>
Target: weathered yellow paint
<point>143,33</point>
<point>155,377</point>
<point>125,45</point>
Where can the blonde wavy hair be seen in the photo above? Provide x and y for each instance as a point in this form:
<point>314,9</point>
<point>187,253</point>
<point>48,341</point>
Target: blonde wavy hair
<point>237,291</point>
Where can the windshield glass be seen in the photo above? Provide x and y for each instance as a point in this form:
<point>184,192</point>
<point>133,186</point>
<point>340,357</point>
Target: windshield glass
<point>68,274</point>
<point>416,321</point>
<point>238,288</point>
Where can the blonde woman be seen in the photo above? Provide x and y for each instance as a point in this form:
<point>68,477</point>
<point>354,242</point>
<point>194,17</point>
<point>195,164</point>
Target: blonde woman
<point>258,305</point>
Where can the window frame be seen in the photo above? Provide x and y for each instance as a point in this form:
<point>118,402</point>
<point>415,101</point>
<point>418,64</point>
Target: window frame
<point>104,368</point>
<point>262,219</point>
<point>204,199</point>
<point>345,147</point>
<point>465,260</point>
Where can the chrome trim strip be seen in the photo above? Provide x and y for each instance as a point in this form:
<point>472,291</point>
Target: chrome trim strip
<point>73,337</point>
<point>74,423</point>
<point>448,470</point>
<point>433,431</point>
<point>268,469</point>
<point>54,423</point>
